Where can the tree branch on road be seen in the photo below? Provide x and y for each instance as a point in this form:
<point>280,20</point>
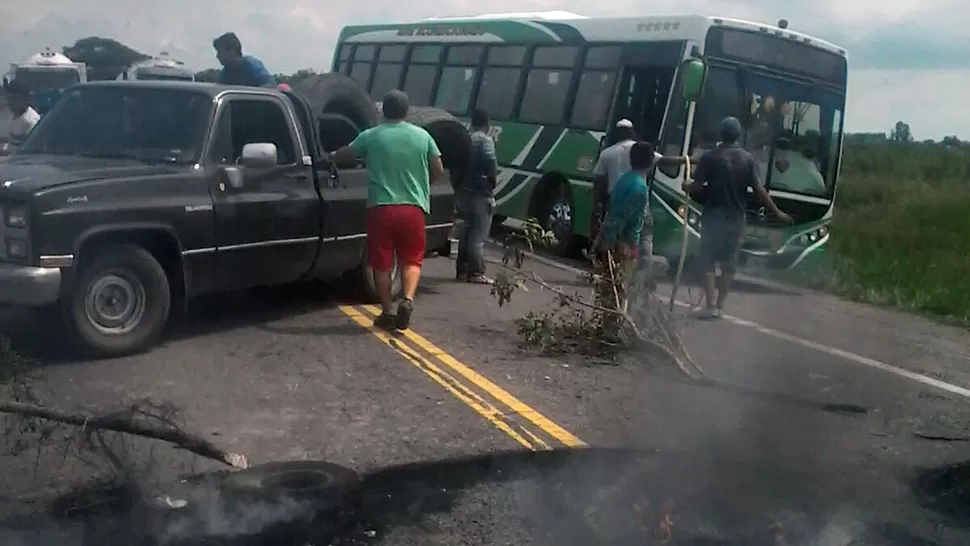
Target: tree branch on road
<point>126,422</point>
<point>576,324</point>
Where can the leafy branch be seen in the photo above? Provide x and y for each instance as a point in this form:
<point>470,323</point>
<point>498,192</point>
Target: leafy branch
<point>621,311</point>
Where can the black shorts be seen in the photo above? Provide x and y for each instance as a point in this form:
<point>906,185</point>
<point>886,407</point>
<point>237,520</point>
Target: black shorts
<point>720,243</point>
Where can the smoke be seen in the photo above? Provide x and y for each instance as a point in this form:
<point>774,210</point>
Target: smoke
<point>207,511</point>
<point>176,513</point>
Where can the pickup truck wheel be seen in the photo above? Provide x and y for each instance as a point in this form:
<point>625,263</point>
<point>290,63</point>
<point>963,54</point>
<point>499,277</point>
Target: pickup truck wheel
<point>120,303</point>
<point>370,288</point>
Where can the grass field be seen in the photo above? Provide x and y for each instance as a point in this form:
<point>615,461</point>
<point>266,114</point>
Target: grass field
<point>901,233</point>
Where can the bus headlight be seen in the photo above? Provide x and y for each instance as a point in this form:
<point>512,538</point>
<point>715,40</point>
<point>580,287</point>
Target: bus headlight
<point>684,212</point>
<point>812,237</point>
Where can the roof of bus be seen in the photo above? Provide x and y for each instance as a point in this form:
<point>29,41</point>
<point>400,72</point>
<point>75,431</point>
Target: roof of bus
<point>564,26</point>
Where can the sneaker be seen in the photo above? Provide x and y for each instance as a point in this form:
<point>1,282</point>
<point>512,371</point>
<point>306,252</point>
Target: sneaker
<point>706,313</point>
<point>479,279</point>
<point>461,277</point>
<point>385,322</point>
<point>404,310</point>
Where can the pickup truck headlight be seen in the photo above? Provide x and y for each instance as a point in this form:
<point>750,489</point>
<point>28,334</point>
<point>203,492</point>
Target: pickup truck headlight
<point>15,217</point>
<point>16,247</point>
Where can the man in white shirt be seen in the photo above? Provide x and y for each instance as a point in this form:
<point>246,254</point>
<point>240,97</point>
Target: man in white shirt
<point>24,117</point>
<point>613,163</point>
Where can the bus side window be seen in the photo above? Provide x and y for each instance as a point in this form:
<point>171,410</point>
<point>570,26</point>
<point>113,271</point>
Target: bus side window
<point>500,80</point>
<point>592,103</point>
<point>497,93</point>
<point>422,70</point>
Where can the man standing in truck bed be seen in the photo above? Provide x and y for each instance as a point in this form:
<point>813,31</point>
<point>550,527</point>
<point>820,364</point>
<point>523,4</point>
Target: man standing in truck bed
<point>239,69</point>
<point>402,160</point>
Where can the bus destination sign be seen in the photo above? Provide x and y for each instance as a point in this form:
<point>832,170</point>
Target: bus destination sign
<point>437,30</point>
<point>776,52</point>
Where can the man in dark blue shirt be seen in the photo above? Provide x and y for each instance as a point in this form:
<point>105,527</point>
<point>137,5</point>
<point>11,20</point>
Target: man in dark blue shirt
<point>476,202</point>
<point>725,174</point>
<point>239,69</point>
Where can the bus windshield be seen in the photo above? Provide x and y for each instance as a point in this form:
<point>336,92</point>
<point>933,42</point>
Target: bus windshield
<point>795,127</point>
<point>47,78</point>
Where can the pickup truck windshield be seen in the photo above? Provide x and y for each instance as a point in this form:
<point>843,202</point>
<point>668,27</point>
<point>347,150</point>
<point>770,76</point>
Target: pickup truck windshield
<point>148,124</point>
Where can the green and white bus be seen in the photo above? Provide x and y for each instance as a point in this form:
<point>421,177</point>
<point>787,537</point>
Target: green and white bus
<point>554,83</point>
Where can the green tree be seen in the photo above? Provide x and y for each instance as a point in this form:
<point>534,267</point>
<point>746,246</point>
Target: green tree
<point>901,132</point>
<point>296,77</point>
<point>104,57</point>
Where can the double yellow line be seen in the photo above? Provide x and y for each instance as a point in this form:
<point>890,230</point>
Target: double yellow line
<point>507,413</point>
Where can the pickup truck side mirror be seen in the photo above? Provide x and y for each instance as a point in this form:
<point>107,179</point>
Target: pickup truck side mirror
<point>259,155</point>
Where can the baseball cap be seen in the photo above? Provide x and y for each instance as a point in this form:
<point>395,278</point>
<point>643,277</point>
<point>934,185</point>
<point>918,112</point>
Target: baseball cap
<point>624,124</point>
<point>730,128</point>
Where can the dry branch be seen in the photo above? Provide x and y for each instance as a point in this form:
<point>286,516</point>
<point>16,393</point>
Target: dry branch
<point>685,365</point>
<point>669,345</point>
<point>126,425</point>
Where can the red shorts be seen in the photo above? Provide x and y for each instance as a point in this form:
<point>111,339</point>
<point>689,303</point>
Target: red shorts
<point>395,229</point>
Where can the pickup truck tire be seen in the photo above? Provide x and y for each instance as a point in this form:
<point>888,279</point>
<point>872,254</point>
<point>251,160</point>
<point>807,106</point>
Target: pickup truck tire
<point>365,276</point>
<point>451,136</point>
<point>120,303</point>
<point>333,96</point>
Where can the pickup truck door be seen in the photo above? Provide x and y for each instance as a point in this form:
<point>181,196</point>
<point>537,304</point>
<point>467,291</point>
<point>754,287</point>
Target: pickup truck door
<point>268,228</point>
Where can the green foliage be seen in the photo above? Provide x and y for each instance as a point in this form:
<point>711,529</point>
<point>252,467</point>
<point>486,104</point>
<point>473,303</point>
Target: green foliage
<point>901,232</point>
<point>296,77</point>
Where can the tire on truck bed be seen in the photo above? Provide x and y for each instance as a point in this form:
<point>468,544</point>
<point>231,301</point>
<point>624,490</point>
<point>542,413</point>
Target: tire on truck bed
<point>340,107</point>
<point>451,136</point>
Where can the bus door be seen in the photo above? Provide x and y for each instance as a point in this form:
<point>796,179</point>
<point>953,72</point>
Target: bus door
<point>645,83</point>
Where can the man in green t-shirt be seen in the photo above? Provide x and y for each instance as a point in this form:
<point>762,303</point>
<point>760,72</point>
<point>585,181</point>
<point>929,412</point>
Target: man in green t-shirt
<point>402,160</point>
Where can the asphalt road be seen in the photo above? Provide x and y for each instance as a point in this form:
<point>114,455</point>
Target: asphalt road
<point>841,422</point>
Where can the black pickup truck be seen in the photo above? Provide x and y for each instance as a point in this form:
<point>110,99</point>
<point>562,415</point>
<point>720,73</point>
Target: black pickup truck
<point>130,198</point>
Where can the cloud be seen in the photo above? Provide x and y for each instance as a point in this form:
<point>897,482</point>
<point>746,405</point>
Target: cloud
<point>921,37</point>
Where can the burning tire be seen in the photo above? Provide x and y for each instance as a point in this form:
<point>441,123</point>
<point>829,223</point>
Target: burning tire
<point>340,107</point>
<point>322,482</point>
<point>449,134</point>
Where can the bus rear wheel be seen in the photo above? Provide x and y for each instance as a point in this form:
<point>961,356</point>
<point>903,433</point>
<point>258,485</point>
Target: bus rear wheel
<point>555,214</point>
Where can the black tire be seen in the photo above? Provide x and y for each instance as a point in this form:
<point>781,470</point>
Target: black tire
<point>334,98</point>
<point>368,288</point>
<point>322,482</point>
<point>136,273</point>
<point>451,136</point>
<point>551,193</point>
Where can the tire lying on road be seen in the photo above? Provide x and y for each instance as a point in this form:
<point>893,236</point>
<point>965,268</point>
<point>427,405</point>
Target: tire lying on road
<point>120,303</point>
<point>340,107</point>
<point>329,488</point>
<point>451,136</point>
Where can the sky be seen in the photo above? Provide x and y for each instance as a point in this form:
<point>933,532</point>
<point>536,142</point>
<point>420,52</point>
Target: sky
<point>907,58</point>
